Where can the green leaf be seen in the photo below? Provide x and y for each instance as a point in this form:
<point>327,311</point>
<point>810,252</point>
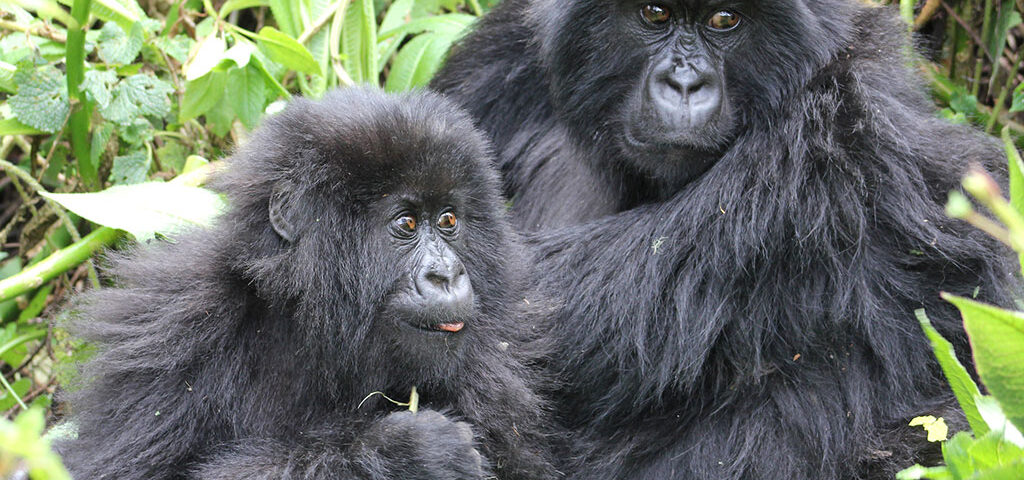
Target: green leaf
<point>98,85</point>
<point>240,53</point>
<point>417,62</point>
<point>202,94</point>
<point>145,209</point>
<point>208,54</point>
<point>287,16</point>
<point>959,380</point>
<point>7,77</point>
<point>117,48</point>
<point>997,337</point>
<point>1018,99</point>
<point>20,387</point>
<point>284,50</point>
<point>124,13</point>
<point>176,47</point>
<point>996,419</point>
<point>232,5</point>
<point>1016,179</point>
<point>100,137</point>
<point>42,98</point>
<point>141,94</point>
<point>359,42</point>
<point>451,24</point>
<point>10,126</point>
<point>1008,18</point>
<point>129,169</point>
<point>250,93</point>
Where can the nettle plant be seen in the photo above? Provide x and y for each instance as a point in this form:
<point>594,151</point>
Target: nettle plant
<point>994,448</point>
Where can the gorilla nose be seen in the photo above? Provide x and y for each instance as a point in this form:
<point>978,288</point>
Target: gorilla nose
<point>445,284</point>
<point>685,95</point>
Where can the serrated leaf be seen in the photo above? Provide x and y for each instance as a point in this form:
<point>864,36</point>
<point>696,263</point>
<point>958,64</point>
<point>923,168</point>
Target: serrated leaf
<point>250,93</point>
<point>42,98</point>
<point>136,95</point>
<point>117,48</point>
<point>100,137</point>
<point>146,209</point>
<point>959,380</point>
<point>996,338</point>
<point>129,169</point>
<point>417,62</point>
<point>97,86</point>
<point>285,50</point>
<point>177,47</point>
<point>201,95</point>
<point>207,54</point>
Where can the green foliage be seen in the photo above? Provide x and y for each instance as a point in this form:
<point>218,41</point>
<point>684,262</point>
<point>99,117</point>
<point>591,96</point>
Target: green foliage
<point>994,449</point>
<point>22,445</point>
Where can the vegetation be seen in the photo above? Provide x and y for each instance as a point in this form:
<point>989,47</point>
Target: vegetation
<point>103,102</point>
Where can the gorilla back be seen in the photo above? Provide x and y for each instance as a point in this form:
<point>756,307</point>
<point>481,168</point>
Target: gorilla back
<point>365,251</point>
<point>754,198</point>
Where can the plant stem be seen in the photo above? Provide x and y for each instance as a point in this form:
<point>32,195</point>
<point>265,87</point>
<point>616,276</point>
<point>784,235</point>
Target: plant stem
<point>75,63</point>
<point>57,263</point>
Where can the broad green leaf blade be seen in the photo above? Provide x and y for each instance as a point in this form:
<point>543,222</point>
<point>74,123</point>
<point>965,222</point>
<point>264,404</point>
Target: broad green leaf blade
<point>201,95</point>
<point>7,77</point>
<point>145,209</point>
<point>287,15</point>
<point>996,419</point>
<point>996,338</point>
<point>10,126</point>
<point>42,98</point>
<point>206,55</point>
<point>116,47</point>
<point>130,169</point>
<point>417,62</point>
<point>959,380</point>
<point>124,13</point>
<point>249,93</point>
<point>285,50</point>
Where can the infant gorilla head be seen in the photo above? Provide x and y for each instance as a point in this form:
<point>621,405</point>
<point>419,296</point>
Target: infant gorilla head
<point>366,251</point>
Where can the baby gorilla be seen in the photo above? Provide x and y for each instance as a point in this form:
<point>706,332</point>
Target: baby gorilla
<point>366,252</point>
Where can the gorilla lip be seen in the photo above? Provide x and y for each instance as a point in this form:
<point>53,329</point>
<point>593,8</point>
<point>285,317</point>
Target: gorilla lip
<point>449,327</point>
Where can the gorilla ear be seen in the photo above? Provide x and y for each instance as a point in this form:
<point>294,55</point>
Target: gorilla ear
<point>281,213</point>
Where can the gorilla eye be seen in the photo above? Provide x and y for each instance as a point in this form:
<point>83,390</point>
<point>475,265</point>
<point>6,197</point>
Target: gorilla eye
<point>655,14</point>
<point>447,221</point>
<point>405,225</point>
<point>723,21</point>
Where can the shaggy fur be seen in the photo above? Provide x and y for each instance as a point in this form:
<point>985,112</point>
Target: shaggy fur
<point>756,321</point>
<point>232,353</point>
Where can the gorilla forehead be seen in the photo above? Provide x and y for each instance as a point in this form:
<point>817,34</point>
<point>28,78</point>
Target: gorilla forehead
<point>358,142</point>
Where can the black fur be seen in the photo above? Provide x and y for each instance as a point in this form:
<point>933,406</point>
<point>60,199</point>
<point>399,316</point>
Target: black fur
<point>232,353</point>
<point>755,322</point>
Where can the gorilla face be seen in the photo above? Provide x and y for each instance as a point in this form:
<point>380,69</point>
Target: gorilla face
<point>669,85</point>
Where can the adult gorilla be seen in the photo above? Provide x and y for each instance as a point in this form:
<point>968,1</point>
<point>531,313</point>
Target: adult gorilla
<point>756,194</point>
<point>366,250</point>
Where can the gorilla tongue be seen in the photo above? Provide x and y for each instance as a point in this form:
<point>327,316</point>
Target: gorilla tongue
<point>450,327</point>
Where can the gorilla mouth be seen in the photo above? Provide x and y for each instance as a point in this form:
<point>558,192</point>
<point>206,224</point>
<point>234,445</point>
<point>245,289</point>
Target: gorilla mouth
<point>450,327</point>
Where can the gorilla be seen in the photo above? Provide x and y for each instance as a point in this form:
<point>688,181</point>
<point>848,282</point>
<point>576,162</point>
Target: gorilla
<point>740,205</point>
<point>366,252</point>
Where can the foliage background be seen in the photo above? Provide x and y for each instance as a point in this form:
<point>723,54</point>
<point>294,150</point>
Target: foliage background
<point>118,97</point>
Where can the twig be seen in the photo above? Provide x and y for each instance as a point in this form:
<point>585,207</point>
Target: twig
<point>43,31</point>
<point>927,12</point>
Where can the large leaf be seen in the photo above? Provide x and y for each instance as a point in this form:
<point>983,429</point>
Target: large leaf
<point>359,41</point>
<point>145,209</point>
<point>417,62</point>
<point>10,126</point>
<point>250,93</point>
<point>959,380</point>
<point>207,54</point>
<point>202,94</point>
<point>450,24</point>
<point>285,50</point>
<point>42,98</point>
<point>997,337</point>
